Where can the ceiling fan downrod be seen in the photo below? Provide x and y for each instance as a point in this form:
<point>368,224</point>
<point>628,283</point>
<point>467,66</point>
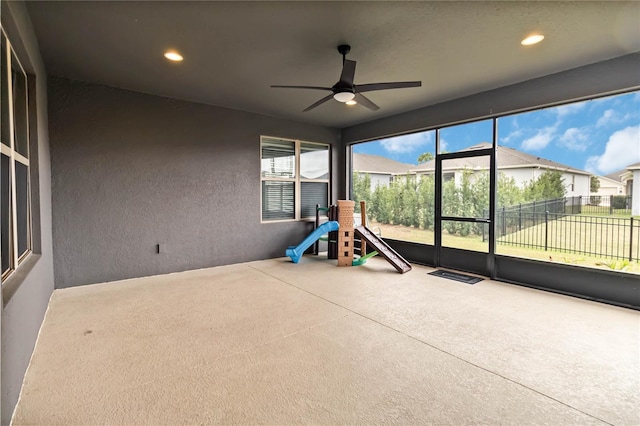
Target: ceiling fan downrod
<point>344,49</point>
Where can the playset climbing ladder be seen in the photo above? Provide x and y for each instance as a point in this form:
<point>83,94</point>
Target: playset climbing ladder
<point>383,249</point>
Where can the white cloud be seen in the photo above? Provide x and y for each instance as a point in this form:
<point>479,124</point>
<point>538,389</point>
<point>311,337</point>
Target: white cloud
<point>540,140</point>
<point>609,116</point>
<point>443,145</point>
<point>623,149</point>
<point>513,135</point>
<point>565,110</point>
<point>575,139</point>
<point>406,143</point>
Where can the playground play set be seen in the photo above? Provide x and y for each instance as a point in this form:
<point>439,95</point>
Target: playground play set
<point>342,238</point>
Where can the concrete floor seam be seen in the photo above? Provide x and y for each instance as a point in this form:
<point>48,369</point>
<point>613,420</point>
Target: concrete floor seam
<point>433,346</point>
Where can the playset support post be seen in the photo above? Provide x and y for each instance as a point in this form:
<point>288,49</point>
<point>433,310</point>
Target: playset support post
<point>363,222</point>
<point>345,232</point>
<point>332,246</point>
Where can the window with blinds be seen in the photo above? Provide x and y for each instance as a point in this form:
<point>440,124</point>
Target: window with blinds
<point>294,178</point>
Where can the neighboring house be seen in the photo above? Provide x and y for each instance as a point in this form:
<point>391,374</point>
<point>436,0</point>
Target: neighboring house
<point>520,166</point>
<point>630,174</point>
<point>381,170</point>
<point>611,184</point>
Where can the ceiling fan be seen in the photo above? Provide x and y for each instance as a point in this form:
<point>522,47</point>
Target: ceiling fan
<point>345,91</point>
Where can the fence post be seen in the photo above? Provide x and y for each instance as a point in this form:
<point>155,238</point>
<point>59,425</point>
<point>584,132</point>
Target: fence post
<point>504,221</point>
<point>535,217</point>
<point>610,204</point>
<point>631,241</point>
<point>546,230</point>
<point>520,217</point>
<point>580,204</point>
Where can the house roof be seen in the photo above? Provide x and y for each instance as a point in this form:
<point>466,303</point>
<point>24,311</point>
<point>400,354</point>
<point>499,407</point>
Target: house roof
<point>624,174</point>
<point>635,166</point>
<point>235,50</point>
<point>607,181</point>
<point>507,158</point>
<point>616,175</point>
<point>368,163</point>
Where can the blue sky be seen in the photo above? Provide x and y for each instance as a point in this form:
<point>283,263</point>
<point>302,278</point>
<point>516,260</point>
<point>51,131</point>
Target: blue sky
<point>601,136</point>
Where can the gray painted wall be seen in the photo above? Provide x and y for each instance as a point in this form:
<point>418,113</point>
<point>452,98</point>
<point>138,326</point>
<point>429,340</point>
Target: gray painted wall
<point>131,171</point>
<point>23,313</point>
<point>579,83</point>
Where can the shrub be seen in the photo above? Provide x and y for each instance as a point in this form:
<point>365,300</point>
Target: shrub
<point>594,200</point>
<point>619,202</point>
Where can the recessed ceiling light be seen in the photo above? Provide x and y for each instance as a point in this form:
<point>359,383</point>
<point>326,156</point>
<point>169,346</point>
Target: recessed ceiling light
<point>351,102</point>
<point>172,55</point>
<point>532,39</point>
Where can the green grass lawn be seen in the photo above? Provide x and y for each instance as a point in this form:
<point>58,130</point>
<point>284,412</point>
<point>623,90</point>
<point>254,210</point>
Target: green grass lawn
<point>473,242</point>
<point>604,211</point>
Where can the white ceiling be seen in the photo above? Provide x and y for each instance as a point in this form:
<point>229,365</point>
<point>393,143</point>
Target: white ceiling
<point>235,50</point>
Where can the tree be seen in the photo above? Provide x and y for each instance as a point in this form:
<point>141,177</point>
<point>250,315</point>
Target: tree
<point>548,186</point>
<point>424,157</point>
<point>361,189</point>
<point>595,200</point>
<point>509,194</point>
<point>426,199</point>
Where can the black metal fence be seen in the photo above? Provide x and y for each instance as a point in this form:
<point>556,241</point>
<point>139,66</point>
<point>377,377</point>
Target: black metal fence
<point>609,237</point>
<point>516,218</point>
<point>572,225</point>
<point>599,204</point>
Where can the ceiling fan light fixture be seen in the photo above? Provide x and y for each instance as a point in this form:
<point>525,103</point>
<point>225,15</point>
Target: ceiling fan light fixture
<point>351,102</point>
<point>344,96</point>
<point>174,56</point>
<point>532,39</point>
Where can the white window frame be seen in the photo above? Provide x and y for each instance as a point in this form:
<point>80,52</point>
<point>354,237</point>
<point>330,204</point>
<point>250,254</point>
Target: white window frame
<point>15,157</point>
<point>297,180</point>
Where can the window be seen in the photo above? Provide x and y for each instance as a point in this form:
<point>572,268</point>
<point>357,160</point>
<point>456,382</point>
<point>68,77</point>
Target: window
<point>14,166</point>
<point>294,178</point>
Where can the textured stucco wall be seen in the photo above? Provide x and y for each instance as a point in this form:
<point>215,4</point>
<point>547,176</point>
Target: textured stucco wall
<point>24,311</point>
<point>131,171</point>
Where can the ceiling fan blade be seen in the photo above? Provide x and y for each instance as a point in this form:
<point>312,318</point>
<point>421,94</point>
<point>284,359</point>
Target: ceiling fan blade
<point>364,101</point>
<point>348,71</point>
<point>320,102</point>
<point>360,88</point>
<point>304,87</point>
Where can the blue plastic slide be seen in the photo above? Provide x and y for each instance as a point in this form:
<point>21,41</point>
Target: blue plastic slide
<point>296,252</point>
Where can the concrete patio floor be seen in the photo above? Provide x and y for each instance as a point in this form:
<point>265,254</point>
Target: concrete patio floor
<point>272,342</point>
